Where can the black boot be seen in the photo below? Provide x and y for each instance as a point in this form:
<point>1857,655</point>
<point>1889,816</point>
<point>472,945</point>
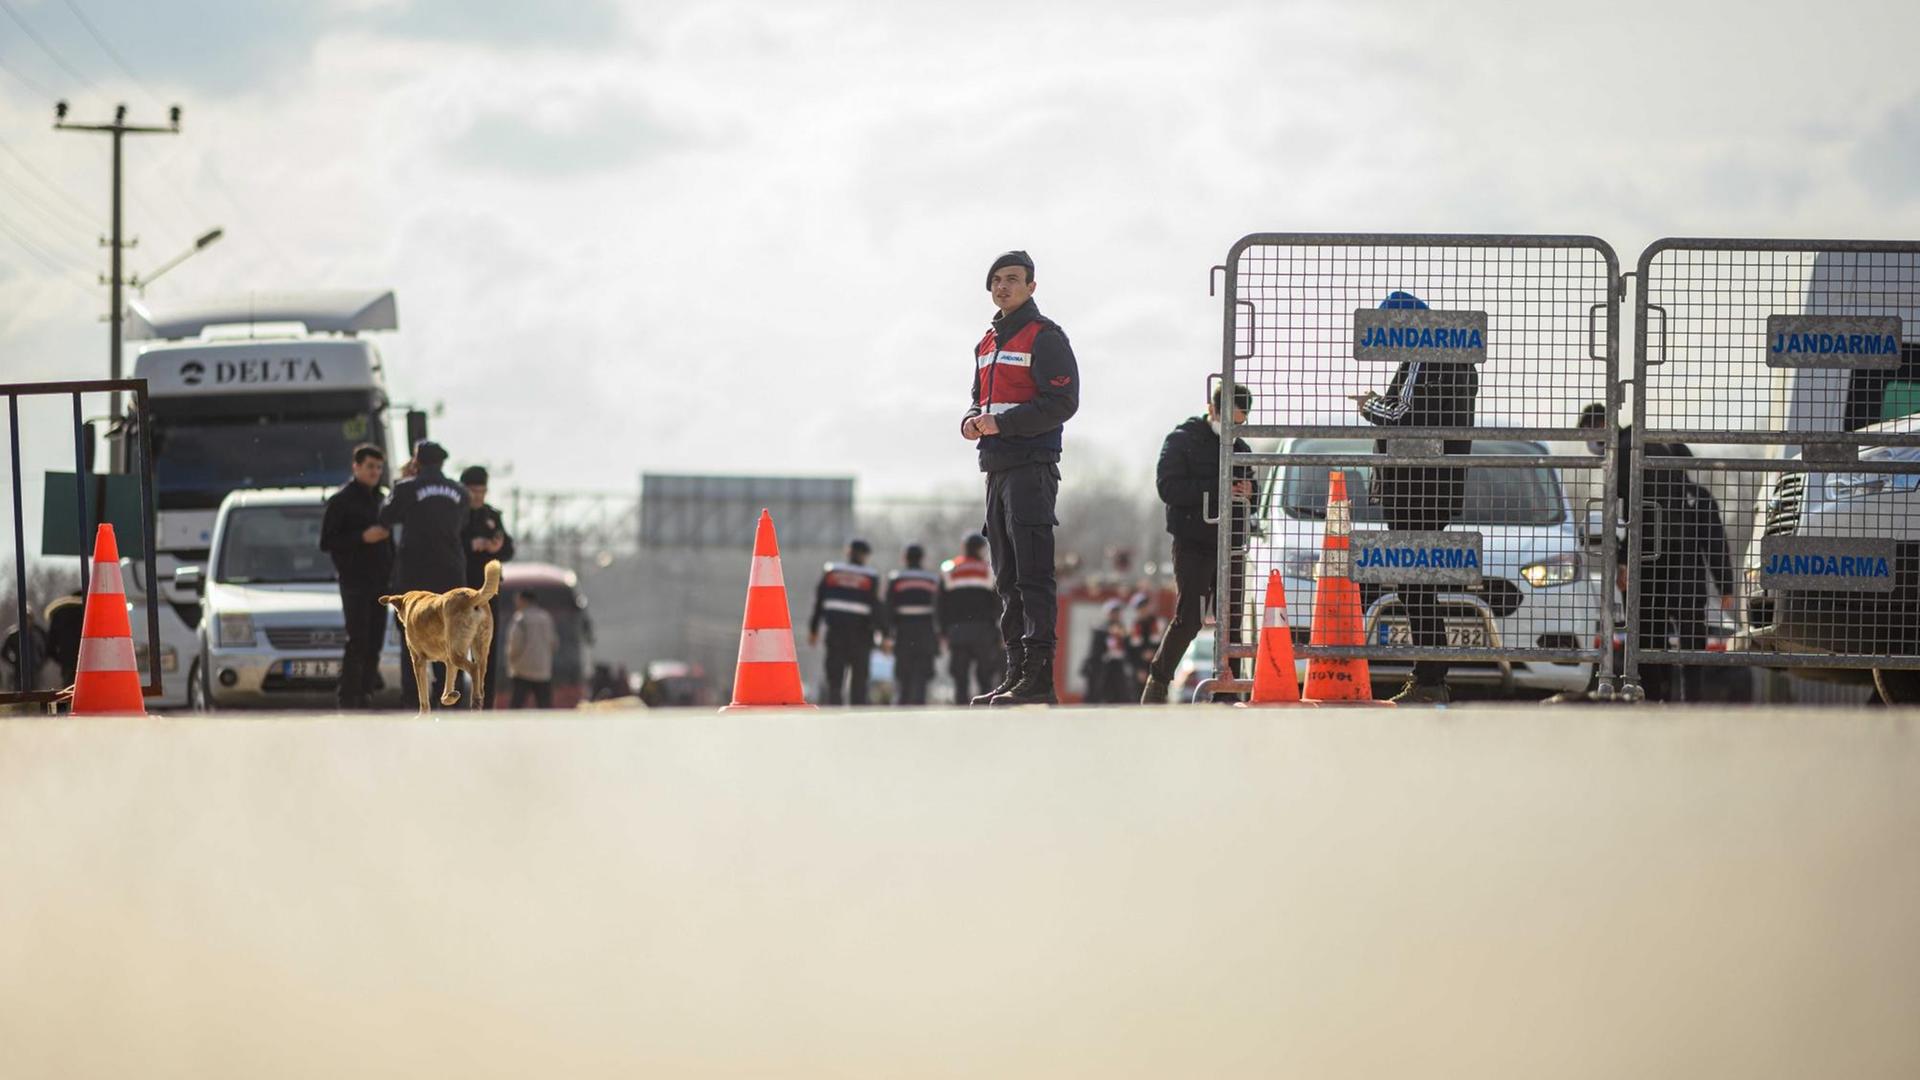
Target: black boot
<point>1035,686</point>
<point>1016,657</point>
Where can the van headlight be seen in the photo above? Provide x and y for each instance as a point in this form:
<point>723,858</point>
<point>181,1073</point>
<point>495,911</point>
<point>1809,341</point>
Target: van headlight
<point>1562,569</point>
<point>234,631</point>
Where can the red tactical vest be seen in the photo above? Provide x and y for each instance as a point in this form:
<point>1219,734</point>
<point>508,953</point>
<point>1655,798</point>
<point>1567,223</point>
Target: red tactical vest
<point>1005,370</point>
<point>965,572</point>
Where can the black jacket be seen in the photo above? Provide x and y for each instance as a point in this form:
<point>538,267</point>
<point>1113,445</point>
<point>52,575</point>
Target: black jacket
<point>1188,479</point>
<point>483,522</point>
<point>351,511</point>
<point>1663,487</point>
<point>427,513</point>
<point>1030,432</point>
<point>1692,551</point>
<point>1425,394</point>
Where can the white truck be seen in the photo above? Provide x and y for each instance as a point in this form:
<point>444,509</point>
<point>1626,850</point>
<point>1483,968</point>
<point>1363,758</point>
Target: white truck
<point>258,391</point>
<point>1858,515</point>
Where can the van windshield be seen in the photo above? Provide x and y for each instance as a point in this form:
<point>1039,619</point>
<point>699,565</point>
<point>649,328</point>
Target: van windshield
<point>199,458</point>
<point>1523,496</point>
<point>273,545</point>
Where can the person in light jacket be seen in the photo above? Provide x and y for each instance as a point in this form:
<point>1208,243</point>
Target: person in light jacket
<point>531,643</point>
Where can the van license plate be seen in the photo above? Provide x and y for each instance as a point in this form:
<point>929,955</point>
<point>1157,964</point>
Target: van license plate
<point>1461,633</point>
<point>310,669</point>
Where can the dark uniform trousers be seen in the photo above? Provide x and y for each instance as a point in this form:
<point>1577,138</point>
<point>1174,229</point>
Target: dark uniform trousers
<point>914,647</point>
<point>849,660</point>
<point>1020,521</point>
<point>973,651</point>
<point>366,626</point>
<point>1196,570</point>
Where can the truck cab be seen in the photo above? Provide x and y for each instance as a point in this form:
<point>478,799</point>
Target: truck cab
<point>260,391</point>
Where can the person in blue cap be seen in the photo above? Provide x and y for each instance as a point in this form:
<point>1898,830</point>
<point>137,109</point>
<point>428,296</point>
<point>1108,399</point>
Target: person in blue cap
<point>1424,393</point>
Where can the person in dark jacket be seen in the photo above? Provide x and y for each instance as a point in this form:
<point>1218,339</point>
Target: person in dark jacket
<point>1662,580</point>
<point>427,511</point>
<point>1026,386</point>
<point>1188,479</point>
<point>66,617</point>
<point>485,538</point>
<point>849,603</point>
<point>970,619</point>
<point>1695,563</point>
<point>1422,498</point>
<point>1105,668</point>
<point>913,601</point>
<point>362,552</point>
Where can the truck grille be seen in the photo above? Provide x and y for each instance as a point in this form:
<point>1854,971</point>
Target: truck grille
<point>1783,512</point>
<point>307,637</point>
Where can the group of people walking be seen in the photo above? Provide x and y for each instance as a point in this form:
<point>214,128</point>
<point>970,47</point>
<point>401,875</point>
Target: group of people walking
<point>427,533</point>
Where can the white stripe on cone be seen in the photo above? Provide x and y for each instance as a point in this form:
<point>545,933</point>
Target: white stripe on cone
<point>106,654</point>
<point>106,579</point>
<point>765,646</point>
<point>1276,617</point>
<point>766,571</point>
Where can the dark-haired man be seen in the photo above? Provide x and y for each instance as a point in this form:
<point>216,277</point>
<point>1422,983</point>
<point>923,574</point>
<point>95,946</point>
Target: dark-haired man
<point>1026,386</point>
<point>1188,480</point>
<point>848,602</point>
<point>970,619</point>
<point>362,553</point>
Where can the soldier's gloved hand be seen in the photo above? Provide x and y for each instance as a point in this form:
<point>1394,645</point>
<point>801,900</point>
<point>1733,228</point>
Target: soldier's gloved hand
<point>813,637</point>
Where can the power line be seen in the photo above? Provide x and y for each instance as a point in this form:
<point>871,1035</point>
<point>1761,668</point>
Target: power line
<point>33,88</point>
<point>46,48</point>
<point>41,255</point>
<point>57,189</point>
<point>101,41</point>
<point>44,211</point>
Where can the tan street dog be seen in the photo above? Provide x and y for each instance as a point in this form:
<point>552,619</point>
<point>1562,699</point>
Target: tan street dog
<point>452,628</point>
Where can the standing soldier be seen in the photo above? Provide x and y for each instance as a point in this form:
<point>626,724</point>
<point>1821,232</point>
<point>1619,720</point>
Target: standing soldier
<point>485,539</point>
<point>350,532</point>
<point>1026,385</point>
<point>1421,498</point>
<point>428,511</point>
<point>1188,480</point>
<point>970,619</point>
<point>913,595</point>
<point>848,601</point>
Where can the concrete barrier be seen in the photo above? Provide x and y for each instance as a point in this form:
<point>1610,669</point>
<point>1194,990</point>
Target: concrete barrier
<point>1121,893</point>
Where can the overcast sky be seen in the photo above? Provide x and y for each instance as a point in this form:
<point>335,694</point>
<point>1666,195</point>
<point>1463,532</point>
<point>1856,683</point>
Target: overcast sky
<point>751,237</point>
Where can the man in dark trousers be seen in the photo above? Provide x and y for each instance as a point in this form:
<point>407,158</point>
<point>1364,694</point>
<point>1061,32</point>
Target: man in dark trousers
<point>1422,498</point>
<point>848,601</point>
<point>1188,479</point>
<point>913,599</point>
<point>427,512</point>
<point>1665,491</point>
<point>485,539</point>
<point>1026,386</point>
<point>1695,563</point>
<point>970,619</point>
<point>362,552</point>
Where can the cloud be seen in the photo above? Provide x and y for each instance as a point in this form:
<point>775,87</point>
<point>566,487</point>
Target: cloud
<point>1887,159</point>
<point>548,143</point>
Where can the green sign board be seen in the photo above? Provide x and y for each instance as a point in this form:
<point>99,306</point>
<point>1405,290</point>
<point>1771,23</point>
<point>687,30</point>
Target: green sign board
<point>60,517</point>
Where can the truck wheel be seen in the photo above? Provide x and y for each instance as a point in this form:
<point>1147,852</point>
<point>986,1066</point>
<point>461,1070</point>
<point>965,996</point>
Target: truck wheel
<point>1897,686</point>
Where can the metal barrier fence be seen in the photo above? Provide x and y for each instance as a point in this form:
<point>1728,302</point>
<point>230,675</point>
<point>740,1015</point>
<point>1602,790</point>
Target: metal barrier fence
<point>1436,372</point>
<point>23,692</point>
<point>1798,364</point>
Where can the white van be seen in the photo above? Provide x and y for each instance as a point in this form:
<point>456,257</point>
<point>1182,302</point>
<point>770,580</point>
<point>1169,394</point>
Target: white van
<point>1538,589</point>
<point>270,632</point>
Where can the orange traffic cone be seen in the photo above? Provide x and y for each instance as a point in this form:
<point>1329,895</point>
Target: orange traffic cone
<point>1274,680</point>
<point>1338,616</point>
<point>107,680</point>
<point>768,675</point>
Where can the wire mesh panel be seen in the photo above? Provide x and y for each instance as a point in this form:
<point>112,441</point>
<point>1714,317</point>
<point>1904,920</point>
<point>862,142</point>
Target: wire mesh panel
<point>1778,493</point>
<point>1444,380</point>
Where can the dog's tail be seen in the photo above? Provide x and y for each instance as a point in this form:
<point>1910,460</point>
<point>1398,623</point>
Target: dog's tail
<point>492,587</point>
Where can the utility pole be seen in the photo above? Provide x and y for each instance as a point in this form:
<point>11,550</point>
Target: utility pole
<point>117,313</point>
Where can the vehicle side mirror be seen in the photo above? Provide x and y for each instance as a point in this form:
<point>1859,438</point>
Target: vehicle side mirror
<point>190,578</point>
